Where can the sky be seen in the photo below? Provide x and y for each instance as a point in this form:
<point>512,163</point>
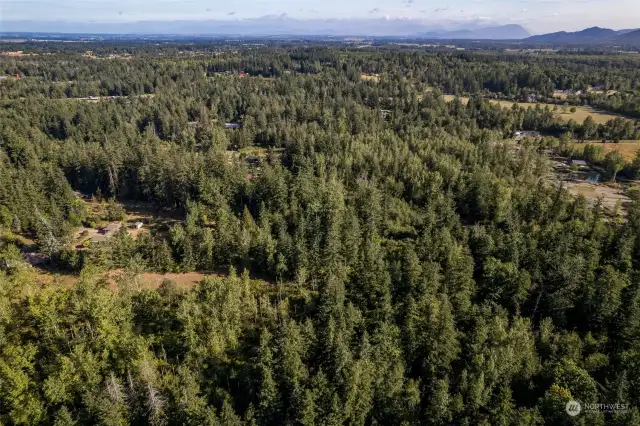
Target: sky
<point>538,16</point>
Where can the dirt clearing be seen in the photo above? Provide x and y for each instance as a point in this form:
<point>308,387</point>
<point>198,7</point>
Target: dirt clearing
<point>144,281</point>
<point>153,281</point>
<point>609,196</point>
<point>370,77</point>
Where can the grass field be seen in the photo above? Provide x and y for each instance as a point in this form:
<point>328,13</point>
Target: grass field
<point>627,149</point>
<point>580,115</point>
<point>369,77</point>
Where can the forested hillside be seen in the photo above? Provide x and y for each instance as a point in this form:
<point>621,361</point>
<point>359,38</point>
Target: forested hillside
<point>388,257</point>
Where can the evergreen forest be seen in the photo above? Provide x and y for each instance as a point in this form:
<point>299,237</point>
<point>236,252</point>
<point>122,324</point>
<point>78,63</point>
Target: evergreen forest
<point>372,253</point>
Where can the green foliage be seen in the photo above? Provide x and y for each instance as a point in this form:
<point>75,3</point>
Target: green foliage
<point>114,211</point>
<point>410,270</point>
<point>613,163</point>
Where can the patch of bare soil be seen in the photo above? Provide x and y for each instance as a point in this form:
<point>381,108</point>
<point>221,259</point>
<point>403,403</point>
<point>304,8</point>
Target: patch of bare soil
<point>153,281</point>
<point>609,196</point>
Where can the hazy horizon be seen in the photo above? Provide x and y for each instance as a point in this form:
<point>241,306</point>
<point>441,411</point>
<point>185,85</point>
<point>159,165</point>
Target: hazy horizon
<point>537,16</point>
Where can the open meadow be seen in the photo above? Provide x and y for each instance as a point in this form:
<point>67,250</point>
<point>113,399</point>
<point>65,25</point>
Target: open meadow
<point>628,149</point>
<point>581,113</point>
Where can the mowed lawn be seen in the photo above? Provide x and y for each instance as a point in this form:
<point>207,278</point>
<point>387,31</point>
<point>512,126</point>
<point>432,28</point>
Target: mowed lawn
<point>627,149</point>
<point>582,112</point>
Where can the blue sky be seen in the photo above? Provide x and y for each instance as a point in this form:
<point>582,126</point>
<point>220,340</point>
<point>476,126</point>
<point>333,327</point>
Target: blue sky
<point>536,15</point>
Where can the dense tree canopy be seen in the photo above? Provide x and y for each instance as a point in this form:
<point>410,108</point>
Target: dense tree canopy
<point>388,257</point>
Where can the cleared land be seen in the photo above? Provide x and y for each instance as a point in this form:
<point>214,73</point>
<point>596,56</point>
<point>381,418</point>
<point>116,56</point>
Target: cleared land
<point>142,281</point>
<point>18,54</point>
<point>582,112</point>
<point>609,196</point>
<point>158,220</point>
<point>105,98</point>
<point>147,280</point>
<point>576,182</point>
<point>153,281</point>
<point>603,92</point>
<point>152,218</point>
<point>370,77</point>
<point>627,149</point>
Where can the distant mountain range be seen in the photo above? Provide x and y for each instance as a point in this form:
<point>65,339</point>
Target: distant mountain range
<point>280,25</point>
<point>589,36</point>
<point>502,32</point>
<point>283,25</point>
<point>629,38</point>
